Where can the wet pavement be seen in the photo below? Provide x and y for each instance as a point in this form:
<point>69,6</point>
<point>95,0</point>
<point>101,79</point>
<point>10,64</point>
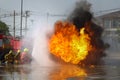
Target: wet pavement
<point>60,73</point>
<point>108,71</point>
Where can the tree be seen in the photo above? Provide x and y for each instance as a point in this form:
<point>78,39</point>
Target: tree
<point>4,29</point>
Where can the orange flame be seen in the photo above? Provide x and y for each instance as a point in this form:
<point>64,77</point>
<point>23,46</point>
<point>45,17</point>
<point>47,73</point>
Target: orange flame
<point>69,44</point>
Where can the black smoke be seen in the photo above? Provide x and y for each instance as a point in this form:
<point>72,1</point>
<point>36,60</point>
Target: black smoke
<point>82,17</point>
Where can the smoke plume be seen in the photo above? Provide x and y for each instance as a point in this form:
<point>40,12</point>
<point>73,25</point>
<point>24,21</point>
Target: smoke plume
<point>81,17</point>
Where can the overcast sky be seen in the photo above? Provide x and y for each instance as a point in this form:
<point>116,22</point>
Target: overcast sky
<point>56,6</point>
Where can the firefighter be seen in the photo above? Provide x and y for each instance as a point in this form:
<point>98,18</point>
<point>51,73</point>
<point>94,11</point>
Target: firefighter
<point>9,58</point>
<point>25,57</point>
<point>17,57</point>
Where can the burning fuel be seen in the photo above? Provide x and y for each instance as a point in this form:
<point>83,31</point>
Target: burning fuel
<point>78,39</point>
<point>69,44</point>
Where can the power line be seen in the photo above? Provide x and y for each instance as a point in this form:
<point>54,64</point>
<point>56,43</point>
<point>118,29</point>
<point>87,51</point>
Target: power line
<point>4,11</point>
<point>11,14</point>
<point>25,14</point>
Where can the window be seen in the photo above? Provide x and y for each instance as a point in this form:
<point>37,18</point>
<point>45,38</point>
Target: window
<point>107,23</point>
<point>115,23</point>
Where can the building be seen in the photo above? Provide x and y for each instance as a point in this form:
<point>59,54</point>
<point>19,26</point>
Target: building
<point>111,24</point>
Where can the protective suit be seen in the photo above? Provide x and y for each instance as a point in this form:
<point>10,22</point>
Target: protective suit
<point>9,58</point>
<point>25,57</point>
<point>17,57</point>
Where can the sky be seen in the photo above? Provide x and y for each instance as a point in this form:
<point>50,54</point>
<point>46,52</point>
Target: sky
<point>56,6</point>
<point>39,8</point>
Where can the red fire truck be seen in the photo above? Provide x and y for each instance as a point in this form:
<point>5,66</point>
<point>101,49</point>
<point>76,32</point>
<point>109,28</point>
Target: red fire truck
<point>1,41</point>
<point>8,43</point>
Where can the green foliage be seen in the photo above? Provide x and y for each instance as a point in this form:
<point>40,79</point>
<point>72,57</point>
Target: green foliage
<point>4,29</point>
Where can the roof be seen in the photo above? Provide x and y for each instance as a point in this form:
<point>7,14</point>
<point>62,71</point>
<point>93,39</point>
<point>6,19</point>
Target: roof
<point>115,14</point>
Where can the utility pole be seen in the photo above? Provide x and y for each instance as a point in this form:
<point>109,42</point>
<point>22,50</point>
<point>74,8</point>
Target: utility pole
<point>14,24</point>
<point>21,18</point>
<point>26,16</point>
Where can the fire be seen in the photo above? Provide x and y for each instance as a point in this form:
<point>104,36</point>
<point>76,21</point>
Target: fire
<point>69,44</point>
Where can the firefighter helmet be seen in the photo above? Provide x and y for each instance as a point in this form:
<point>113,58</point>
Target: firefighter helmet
<point>18,51</point>
<point>25,50</point>
<point>10,51</point>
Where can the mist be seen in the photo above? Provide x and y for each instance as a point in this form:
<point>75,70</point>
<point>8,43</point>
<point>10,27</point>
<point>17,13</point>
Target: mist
<point>37,43</point>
